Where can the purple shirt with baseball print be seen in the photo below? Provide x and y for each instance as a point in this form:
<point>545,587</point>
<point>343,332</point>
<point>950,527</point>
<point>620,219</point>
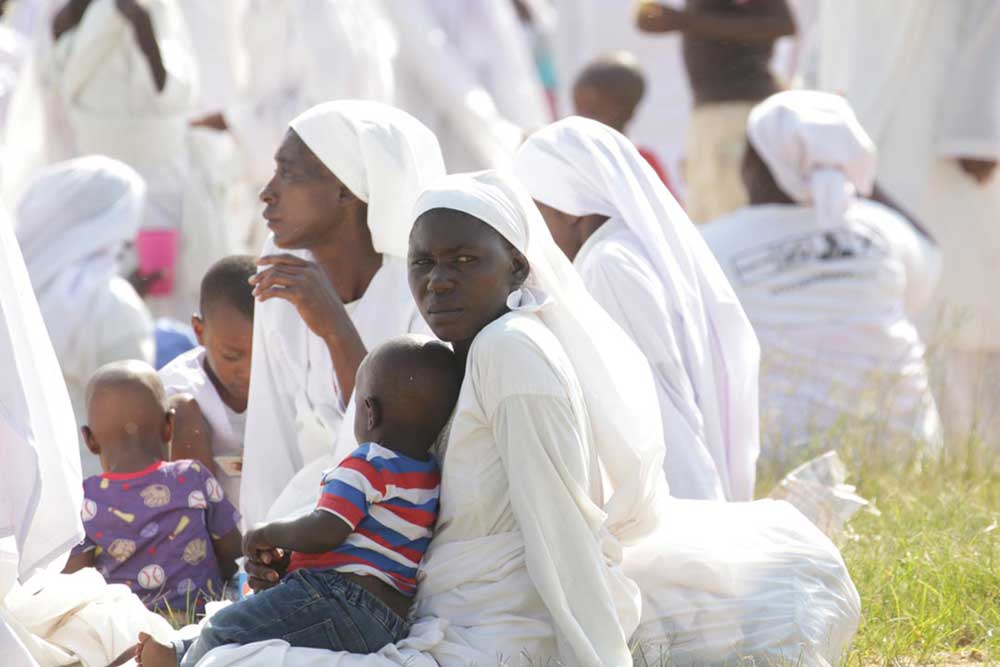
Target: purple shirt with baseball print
<point>152,530</point>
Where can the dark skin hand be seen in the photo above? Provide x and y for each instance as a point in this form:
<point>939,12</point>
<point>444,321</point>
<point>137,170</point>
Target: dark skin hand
<point>981,170</point>
<point>764,27</point>
<point>142,282</point>
<point>307,287</point>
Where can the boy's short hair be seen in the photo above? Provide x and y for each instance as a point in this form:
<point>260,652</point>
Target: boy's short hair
<point>617,73</point>
<point>227,281</point>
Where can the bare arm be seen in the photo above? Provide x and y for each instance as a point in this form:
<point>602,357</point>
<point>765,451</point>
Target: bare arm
<point>79,561</point>
<point>68,17</point>
<point>770,20</point>
<point>313,533</point>
<point>145,35</point>
<point>192,434</point>
<point>227,549</point>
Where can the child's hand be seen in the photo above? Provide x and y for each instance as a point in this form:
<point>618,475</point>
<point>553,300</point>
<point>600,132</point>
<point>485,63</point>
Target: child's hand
<point>254,541</point>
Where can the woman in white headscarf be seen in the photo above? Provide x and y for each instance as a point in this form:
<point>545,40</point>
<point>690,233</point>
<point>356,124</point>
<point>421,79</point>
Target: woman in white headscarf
<point>72,224</point>
<point>644,262</point>
<point>829,280</point>
<point>333,285</point>
<point>556,528</point>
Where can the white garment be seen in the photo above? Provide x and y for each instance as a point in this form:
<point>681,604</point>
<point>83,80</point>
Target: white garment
<point>703,351</point>
<point>920,76</point>
<point>296,411</point>
<point>187,375</point>
<point>465,70</point>
<point>72,225</point>
<point>817,151</point>
<point>832,309</point>
<point>553,465</point>
<point>299,54</point>
<point>215,45</point>
<point>586,29</point>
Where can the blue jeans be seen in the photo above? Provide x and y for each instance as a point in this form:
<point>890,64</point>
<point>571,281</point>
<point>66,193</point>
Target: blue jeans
<point>309,608</point>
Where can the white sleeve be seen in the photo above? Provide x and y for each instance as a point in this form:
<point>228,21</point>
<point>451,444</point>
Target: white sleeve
<point>971,111</point>
<point>635,301</point>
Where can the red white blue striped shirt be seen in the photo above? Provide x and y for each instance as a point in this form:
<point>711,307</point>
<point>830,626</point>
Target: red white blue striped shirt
<point>391,502</point>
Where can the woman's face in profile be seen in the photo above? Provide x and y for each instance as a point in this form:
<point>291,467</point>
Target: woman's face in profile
<point>461,272</point>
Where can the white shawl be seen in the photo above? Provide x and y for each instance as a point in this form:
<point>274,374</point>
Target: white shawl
<point>582,167</point>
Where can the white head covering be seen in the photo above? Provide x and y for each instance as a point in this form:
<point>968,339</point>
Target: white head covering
<point>615,377</point>
<point>816,149</point>
<point>40,482</point>
<point>582,167</point>
<point>383,155</point>
<point>71,224</point>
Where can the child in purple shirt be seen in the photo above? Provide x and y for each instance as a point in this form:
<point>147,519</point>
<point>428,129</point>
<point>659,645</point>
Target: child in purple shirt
<point>162,528</point>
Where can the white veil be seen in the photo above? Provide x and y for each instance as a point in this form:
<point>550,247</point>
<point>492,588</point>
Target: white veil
<point>582,167</point>
<point>615,377</point>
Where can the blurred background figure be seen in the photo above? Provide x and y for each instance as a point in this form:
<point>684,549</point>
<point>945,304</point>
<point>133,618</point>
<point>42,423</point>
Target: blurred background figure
<point>72,226</point>
<point>830,282</point>
<point>727,45</point>
<point>922,77</point>
<point>609,90</point>
<point>586,29</point>
<point>466,70</point>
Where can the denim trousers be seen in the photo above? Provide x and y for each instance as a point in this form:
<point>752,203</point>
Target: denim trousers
<point>309,608</point>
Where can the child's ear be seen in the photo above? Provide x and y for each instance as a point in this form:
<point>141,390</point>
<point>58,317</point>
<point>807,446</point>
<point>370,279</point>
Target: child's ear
<point>88,439</point>
<point>373,413</point>
<point>198,325</point>
<point>167,435</point>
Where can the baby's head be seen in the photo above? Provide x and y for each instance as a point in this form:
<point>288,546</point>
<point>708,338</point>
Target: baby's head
<point>225,326</point>
<point>127,414</point>
<point>405,392</point>
<point>609,90</point>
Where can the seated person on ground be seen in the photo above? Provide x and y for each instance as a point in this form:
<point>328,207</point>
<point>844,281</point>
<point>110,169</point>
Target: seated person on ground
<point>208,386</point>
<point>361,546</point>
<point>609,90</point>
<point>165,529</point>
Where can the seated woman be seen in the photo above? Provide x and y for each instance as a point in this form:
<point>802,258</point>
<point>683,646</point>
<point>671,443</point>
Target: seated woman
<point>830,281</point>
<point>72,224</point>
<point>644,262</point>
<point>552,484</point>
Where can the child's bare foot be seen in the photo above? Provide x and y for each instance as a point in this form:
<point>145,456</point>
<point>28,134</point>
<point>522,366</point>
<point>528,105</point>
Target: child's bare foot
<point>152,653</point>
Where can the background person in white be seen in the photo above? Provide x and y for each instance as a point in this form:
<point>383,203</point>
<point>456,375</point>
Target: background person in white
<point>922,77</point>
<point>830,281</point>
<point>644,262</point>
<point>332,285</point>
<point>73,224</point>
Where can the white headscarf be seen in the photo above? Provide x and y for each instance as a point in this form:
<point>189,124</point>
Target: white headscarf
<point>40,482</point>
<point>582,167</point>
<point>383,155</point>
<point>816,150</point>
<point>615,377</point>
<point>71,225</point>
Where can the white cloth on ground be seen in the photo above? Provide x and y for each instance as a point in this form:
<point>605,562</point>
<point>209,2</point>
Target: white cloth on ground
<point>832,309</point>
<point>295,410</point>
<point>491,93</point>
<point>187,375</point>
<point>72,224</point>
<point>702,349</point>
<point>815,148</point>
<point>763,581</point>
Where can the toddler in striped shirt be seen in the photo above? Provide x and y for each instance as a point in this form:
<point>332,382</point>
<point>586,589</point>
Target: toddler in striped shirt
<point>352,572</point>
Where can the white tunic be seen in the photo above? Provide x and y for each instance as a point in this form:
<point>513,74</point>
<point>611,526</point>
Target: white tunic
<point>295,409</point>
<point>619,276</point>
<point>187,375</point>
<point>832,310</point>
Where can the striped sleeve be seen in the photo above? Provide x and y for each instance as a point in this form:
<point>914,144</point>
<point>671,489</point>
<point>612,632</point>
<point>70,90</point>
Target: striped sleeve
<point>350,489</point>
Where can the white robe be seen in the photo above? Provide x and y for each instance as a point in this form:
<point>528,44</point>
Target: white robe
<point>490,93</point>
<point>620,277</point>
<point>833,311</point>
<point>186,375</point>
<point>295,411</point>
